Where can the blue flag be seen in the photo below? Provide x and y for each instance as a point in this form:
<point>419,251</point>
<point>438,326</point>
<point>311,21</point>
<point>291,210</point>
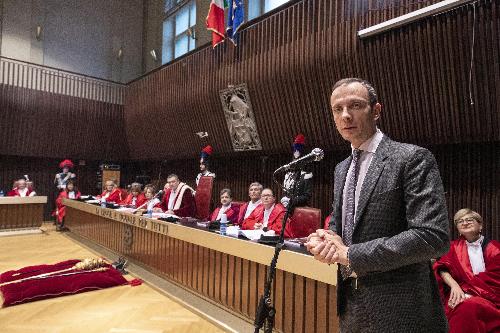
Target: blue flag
<point>236,15</point>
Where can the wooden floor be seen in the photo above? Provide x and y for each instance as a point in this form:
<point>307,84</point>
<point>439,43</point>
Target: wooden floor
<point>121,309</point>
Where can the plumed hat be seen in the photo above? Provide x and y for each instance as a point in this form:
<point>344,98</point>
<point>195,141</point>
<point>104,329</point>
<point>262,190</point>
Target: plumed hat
<point>66,163</point>
<point>298,143</point>
<point>205,153</point>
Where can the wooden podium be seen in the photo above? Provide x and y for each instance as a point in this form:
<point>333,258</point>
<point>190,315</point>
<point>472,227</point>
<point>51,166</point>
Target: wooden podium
<point>21,213</point>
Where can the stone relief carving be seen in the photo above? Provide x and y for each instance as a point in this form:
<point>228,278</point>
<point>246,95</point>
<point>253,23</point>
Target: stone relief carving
<point>240,119</point>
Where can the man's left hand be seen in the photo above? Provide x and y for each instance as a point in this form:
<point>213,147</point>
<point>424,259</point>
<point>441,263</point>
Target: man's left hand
<point>330,250</point>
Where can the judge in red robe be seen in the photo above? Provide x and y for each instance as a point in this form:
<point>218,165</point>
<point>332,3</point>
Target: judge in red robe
<point>178,199</point>
<point>70,192</point>
<point>267,216</point>
<point>135,198</point>
<point>469,278</point>
<point>111,193</point>
<point>254,192</point>
<point>227,207</point>
<point>21,190</point>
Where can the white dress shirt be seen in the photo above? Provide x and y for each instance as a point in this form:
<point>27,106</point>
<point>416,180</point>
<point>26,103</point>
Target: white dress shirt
<point>223,210</point>
<point>71,195</point>
<point>251,206</point>
<point>476,258</point>
<point>267,213</point>
<point>22,193</point>
<point>151,203</point>
<point>171,200</point>
<point>368,149</point>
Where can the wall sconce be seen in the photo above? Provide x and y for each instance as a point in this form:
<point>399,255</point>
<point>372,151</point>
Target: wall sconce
<point>120,54</point>
<point>191,33</point>
<point>38,33</point>
<point>153,55</point>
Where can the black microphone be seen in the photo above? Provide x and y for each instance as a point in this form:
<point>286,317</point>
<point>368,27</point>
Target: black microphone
<point>314,156</point>
<point>159,194</point>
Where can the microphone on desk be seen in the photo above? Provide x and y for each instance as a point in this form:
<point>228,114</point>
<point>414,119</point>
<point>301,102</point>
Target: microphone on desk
<point>315,155</point>
<point>160,192</point>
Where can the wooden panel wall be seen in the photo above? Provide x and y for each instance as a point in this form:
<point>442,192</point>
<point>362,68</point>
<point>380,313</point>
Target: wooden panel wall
<point>42,124</point>
<point>42,172</point>
<point>290,60</point>
<point>303,305</point>
<point>470,174</point>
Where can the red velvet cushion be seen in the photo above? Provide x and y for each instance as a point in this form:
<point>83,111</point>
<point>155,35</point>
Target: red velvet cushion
<point>33,290</point>
<point>304,221</point>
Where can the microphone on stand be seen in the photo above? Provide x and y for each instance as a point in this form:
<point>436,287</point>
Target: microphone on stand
<point>315,155</point>
<point>160,193</point>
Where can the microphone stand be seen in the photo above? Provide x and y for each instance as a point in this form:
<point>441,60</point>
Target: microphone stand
<point>265,310</point>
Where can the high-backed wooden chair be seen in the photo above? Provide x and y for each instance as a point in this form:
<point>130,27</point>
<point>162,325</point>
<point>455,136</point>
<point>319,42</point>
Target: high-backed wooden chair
<point>203,197</point>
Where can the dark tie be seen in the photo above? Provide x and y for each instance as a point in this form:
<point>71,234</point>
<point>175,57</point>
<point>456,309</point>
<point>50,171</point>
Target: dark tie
<point>350,208</point>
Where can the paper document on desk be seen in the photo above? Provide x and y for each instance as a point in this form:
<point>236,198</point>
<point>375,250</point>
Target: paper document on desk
<point>126,210</point>
<point>252,234</point>
<point>164,216</point>
<point>93,201</point>
<point>233,231</point>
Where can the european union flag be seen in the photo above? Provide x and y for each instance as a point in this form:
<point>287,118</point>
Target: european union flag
<point>235,19</point>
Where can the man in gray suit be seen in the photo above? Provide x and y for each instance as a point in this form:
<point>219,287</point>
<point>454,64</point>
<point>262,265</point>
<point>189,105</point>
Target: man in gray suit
<point>389,219</point>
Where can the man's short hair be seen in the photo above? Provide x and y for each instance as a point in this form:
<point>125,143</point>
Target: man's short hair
<point>259,185</point>
<point>372,93</point>
<point>226,190</point>
<point>136,187</point>
<point>270,189</point>
<point>173,175</point>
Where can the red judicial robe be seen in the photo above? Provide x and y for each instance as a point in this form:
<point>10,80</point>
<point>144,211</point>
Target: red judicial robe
<point>231,213</point>
<point>481,312</point>
<point>274,222</point>
<point>138,201</point>
<point>15,193</point>
<point>187,207</point>
<point>242,212</point>
<point>60,210</point>
<point>115,196</point>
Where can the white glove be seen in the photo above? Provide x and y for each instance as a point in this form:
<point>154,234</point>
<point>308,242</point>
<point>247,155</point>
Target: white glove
<point>285,201</point>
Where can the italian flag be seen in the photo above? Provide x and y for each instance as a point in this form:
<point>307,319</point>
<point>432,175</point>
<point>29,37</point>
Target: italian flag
<point>215,21</point>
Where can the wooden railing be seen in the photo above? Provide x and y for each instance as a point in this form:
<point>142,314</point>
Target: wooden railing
<point>32,76</point>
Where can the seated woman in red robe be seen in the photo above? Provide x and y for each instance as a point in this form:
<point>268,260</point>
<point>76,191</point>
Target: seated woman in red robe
<point>227,207</point>
<point>469,278</point>
<point>21,189</point>
<point>70,192</point>
<point>135,198</point>
<point>111,193</point>
<point>267,216</point>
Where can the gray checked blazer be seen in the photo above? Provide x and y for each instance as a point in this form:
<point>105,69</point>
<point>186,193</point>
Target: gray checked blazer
<point>401,223</point>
